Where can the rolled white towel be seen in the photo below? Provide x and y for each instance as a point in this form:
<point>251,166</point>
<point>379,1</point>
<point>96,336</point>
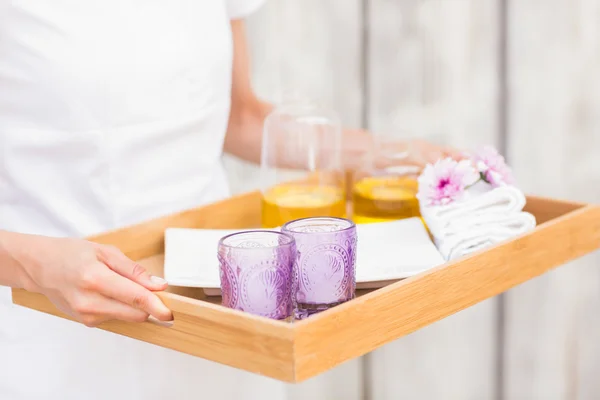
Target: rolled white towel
<point>462,246</point>
<point>510,223</point>
<point>479,199</point>
<point>469,241</point>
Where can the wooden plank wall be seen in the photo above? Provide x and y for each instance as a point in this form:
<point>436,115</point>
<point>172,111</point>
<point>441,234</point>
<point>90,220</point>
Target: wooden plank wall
<point>432,73</point>
<point>552,328</point>
<point>521,74</point>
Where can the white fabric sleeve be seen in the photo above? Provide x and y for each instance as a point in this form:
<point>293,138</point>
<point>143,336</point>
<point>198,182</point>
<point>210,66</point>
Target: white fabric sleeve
<point>237,9</point>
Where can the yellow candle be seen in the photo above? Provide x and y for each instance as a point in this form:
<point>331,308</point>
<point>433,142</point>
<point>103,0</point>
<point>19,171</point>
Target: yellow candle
<point>386,198</point>
<point>287,202</point>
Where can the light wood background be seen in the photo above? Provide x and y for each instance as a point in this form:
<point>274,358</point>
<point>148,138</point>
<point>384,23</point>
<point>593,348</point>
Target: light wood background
<point>523,75</point>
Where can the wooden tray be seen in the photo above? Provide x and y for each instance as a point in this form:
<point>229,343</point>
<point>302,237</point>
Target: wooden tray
<point>297,351</point>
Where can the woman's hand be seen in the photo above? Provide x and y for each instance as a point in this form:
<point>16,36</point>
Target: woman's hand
<point>90,282</point>
<point>361,148</point>
<point>421,152</point>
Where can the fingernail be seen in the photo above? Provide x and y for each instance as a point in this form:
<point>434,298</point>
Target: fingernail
<point>155,321</point>
<point>158,280</point>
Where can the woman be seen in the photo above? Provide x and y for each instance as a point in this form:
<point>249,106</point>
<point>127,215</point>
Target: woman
<point>112,113</point>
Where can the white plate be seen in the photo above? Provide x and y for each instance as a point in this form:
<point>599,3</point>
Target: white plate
<point>387,251</point>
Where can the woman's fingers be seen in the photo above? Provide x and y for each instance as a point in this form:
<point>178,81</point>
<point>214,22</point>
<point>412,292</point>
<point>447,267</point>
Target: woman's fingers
<point>455,153</point>
<point>92,309</point>
<point>121,264</point>
<point>429,153</point>
<point>414,153</point>
<point>130,293</point>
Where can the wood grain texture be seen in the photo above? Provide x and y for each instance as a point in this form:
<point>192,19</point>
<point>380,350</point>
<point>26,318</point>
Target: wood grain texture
<point>432,69</point>
<point>552,351</point>
<point>312,47</point>
<point>546,209</point>
<point>432,73</point>
<point>200,328</point>
<point>305,349</point>
<point>147,239</point>
<point>355,328</point>
<point>205,330</point>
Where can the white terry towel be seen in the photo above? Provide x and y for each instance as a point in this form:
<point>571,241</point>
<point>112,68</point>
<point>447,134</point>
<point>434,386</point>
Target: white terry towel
<point>479,200</point>
<point>462,245</point>
<point>472,240</point>
<point>511,224</point>
<point>485,216</point>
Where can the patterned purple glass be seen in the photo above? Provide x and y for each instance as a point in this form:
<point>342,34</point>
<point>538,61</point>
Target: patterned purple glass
<point>325,267</point>
<point>256,272</point>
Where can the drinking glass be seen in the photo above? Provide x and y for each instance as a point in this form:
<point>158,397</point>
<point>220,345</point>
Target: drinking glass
<point>301,164</point>
<point>256,272</point>
<point>385,186</point>
<point>325,268</point>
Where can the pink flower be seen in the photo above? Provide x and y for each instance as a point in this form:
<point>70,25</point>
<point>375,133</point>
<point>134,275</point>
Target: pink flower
<point>446,181</point>
<point>492,167</point>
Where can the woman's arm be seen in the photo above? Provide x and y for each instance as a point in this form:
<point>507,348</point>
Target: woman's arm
<point>244,133</point>
<point>11,271</point>
<point>92,283</point>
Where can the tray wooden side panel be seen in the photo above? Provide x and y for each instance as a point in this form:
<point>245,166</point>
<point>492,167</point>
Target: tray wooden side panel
<point>202,329</point>
<point>546,209</point>
<point>366,323</point>
<point>205,330</point>
<point>294,352</point>
<point>147,239</point>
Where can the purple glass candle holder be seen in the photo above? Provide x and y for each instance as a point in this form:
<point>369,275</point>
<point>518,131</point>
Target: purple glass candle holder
<point>325,267</point>
<point>256,272</point>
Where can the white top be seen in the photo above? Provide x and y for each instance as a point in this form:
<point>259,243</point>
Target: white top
<point>111,112</point>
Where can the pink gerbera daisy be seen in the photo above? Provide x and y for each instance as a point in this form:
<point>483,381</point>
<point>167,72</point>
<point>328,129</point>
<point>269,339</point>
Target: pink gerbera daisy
<point>492,167</point>
<point>445,181</point>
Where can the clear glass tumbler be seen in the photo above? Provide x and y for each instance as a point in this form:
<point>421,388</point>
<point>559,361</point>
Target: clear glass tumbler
<point>256,272</point>
<point>325,267</point>
<point>384,186</point>
<point>301,164</point>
